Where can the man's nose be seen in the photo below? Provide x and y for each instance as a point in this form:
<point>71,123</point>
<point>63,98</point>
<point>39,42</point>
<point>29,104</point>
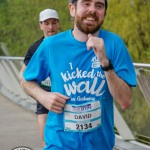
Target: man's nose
<point>92,8</point>
<point>50,26</point>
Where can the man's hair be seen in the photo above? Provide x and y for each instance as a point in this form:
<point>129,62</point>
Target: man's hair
<point>74,1</point>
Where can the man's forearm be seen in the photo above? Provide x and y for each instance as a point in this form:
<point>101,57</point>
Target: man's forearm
<point>119,89</point>
<point>32,89</point>
<point>53,101</point>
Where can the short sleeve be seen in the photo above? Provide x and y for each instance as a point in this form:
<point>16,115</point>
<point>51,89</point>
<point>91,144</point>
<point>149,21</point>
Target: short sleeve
<point>37,68</point>
<point>123,64</point>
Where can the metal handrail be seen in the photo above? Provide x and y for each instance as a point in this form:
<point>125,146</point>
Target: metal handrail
<point>11,58</point>
<point>137,65</point>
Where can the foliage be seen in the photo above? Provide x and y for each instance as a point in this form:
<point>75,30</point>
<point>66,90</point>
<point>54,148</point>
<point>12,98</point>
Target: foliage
<point>19,22</point>
<point>128,18</point>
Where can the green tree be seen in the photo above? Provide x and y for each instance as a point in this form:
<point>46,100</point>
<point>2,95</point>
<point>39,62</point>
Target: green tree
<point>130,19</point>
<point>19,22</point>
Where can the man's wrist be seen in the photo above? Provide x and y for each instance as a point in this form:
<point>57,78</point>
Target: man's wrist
<point>108,67</point>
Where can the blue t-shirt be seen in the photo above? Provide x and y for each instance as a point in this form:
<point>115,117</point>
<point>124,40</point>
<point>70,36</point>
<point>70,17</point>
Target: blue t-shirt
<point>87,121</point>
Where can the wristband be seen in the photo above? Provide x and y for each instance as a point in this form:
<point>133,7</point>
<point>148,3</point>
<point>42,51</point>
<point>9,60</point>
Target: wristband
<point>109,67</point>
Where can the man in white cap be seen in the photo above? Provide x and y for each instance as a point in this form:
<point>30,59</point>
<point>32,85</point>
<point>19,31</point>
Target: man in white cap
<point>49,24</point>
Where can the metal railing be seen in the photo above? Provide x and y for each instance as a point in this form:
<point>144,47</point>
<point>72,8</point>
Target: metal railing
<point>10,83</point>
<point>137,117</point>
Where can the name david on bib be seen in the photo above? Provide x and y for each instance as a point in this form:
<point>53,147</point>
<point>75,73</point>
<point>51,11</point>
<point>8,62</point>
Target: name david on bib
<point>82,118</point>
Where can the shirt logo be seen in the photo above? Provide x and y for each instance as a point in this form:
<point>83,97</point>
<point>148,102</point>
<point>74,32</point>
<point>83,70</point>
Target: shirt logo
<point>95,62</point>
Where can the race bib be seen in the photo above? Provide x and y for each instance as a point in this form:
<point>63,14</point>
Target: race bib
<point>82,118</point>
<point>46,82</point>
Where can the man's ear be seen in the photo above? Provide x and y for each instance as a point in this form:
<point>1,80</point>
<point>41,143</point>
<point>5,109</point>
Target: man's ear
<point>40,25</point>
<point>105,14</point>
<point>72,9</point>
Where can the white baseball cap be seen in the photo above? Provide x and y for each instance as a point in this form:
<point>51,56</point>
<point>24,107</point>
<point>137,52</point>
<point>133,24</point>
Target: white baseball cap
<point>47,14</point>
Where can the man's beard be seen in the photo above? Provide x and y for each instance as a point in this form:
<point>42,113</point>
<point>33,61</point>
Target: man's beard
<point>88,28</point>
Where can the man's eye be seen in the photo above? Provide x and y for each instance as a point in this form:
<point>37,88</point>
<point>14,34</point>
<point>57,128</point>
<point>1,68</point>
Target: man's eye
<point>100,6</point>
<point>86,4</point>
<point>54,23</point>
<point>45,23</point>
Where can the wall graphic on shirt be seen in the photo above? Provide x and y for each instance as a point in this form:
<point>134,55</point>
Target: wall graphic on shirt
<point>71,87</point>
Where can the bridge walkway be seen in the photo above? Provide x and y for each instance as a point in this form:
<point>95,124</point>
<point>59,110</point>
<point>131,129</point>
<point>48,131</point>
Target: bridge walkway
<point>18,126</point>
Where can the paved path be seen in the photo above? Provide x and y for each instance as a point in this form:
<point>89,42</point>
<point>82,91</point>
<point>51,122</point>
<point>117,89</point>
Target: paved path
<point>18,126</point>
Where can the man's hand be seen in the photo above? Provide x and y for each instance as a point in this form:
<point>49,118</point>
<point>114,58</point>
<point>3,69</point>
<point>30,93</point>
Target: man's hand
<point>54,101</point>
<point>98,46</point>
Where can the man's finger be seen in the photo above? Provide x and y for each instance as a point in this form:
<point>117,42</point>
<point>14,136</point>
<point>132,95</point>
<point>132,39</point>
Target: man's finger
<point>89,42</point>
<point>89,35</point>
<point>62,96</point>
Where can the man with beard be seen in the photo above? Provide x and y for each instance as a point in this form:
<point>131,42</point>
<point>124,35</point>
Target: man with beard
<point>88,68</point>
<point>49,24</point>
